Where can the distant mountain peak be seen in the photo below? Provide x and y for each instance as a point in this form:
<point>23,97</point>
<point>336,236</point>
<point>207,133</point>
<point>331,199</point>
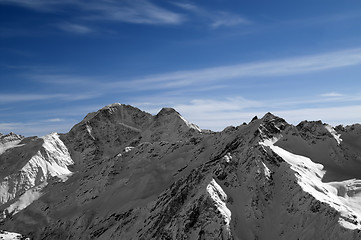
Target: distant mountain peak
<point>172,116</point>
<point>10,137</point>
<point>113,105</point>
<point>167,111</point>
<point>272,117</point>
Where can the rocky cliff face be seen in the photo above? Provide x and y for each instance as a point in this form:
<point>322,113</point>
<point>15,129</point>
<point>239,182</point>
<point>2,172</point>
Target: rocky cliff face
<point>122,173</point>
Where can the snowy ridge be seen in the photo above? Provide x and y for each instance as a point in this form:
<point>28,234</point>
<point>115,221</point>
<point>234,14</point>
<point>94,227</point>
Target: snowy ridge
<point>344,196</point>
<point>49,163</point>
<point>25,186</point>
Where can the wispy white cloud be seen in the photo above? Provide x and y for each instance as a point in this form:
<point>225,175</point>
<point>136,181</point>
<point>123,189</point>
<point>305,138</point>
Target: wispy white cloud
<point>140,11</point>
<point>11,98</point>
<point>6,98</point>
<point>228,20</point>
<point>200,80</point>
<point>74,28</point>
<point>78,112</point>
<point>283,67</point>
<point>209,105</point>
<point>331,94</point>
<point>60,78</point>
<point>215,19</point>
<point>344,115</point>
<point>131,11</point>
<point>55,120</point>
<point>40,5</point>
<point>325,99</point>
<point>216,114</point>
<point>187,6</point>
<point>206,79</point>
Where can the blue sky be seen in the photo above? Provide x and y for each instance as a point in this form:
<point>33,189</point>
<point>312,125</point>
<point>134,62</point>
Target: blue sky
<point>217,62</point>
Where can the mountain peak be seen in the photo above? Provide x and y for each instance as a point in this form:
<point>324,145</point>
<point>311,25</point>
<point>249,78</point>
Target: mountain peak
<point>312,126</point>
<point>167,111</point>
<point>120,113</point>
<point>113,105</point>
<point>270,116</point>
<point>171,113</point>
<point>10,137</point>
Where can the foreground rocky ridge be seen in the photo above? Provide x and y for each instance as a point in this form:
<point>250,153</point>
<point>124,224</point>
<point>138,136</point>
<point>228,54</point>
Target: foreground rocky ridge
<point>127,174</point>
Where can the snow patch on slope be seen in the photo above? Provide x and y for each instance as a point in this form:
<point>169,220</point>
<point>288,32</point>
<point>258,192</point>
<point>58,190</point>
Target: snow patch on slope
<point>11,236</point>
<point>344,196</point>
<point>8,145</point>
<point>219,198</point>
<point>227,158</point>
<point>26,199</point>
<point>89,130</point>
<point>128,149</point>
<point>266,171</point>
<point>333,132</point>
<point>190,125</point>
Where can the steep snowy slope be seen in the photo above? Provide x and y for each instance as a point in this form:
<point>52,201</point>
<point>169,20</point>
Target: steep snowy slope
<point>26,167</point>
<point>138,176</point>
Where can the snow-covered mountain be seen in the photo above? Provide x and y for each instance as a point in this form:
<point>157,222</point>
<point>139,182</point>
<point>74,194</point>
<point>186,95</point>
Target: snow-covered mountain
<point>122,173</point>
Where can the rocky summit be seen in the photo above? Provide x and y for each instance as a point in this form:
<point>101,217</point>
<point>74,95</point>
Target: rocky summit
<point>122,173</point>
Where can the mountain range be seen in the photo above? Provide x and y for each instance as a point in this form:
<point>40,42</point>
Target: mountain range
<point>122,173</point>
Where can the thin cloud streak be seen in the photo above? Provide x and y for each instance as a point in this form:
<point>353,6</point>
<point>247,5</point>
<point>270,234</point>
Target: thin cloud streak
<point>11,98</point>
<point>74,112</point>
<point>321,99</point>
<point>39,5</point>
<point>215,19</point>
<point>291,66</point>
<point>213,77</point>
<point>344,115</point>
<point>139,11</point>
<point>218,114</point>
<point>332,94</point>
<point>228,20</point>
<point>74,28</point>
<point>239,103</point>
<point>219,118</point>
<point>62,79</point>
